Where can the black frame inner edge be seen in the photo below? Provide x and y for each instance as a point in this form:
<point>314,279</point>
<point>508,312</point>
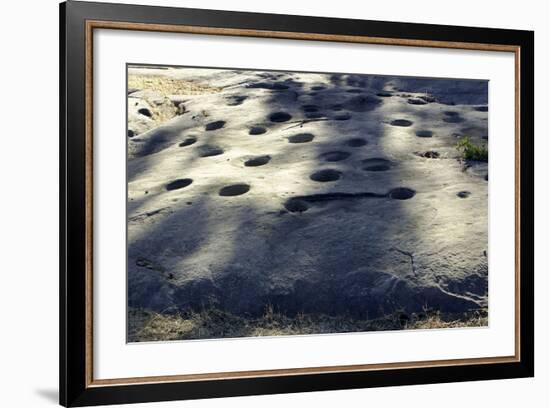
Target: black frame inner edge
<point>73,392</point>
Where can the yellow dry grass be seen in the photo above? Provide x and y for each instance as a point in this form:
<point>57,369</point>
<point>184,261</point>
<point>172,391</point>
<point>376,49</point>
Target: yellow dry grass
<point>436,322</point>
<point>168,86</point>
<point>161,327</point>
<point>212,323</point>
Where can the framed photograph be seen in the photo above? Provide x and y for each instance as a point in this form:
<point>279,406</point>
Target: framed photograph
<point>256,203</point>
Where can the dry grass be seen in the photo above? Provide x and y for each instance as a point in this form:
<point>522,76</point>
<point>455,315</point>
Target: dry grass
<point>212,323</point>
<point>436,322</point>
<point>168,86</point>
<point>156,327</point>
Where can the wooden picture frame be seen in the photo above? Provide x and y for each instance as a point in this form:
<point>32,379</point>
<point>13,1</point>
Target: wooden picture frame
<point>78,20</point>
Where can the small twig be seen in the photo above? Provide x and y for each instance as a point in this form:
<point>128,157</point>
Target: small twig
<point>303,122</point>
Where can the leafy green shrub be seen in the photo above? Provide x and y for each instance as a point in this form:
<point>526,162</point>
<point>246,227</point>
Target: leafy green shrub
<point>472,151</point>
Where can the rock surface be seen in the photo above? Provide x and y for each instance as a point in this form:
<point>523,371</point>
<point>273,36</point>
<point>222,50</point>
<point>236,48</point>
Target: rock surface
<point>311,193</point>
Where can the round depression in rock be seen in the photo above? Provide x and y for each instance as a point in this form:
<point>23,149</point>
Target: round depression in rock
<point>424,133</point>
<point>179,183</point>
<point>296,205</point>
<point>376,164</point>
<point>145,112</point>
<point>310,108</point>
<point>278,117</point>
<point>209,150</point>
<point>356,142</point>
<point>334,156</point>
<point>257,130</point>
<point>402,193</point>
<point>188,141</point>
<point>234,190</point>
<point>301,138</point>
<point>326,175</point>
<point>314,115</point>
<point>401,122</point>
<point>452,117</point>
<point>257,161</point>
<point>214,125</point>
